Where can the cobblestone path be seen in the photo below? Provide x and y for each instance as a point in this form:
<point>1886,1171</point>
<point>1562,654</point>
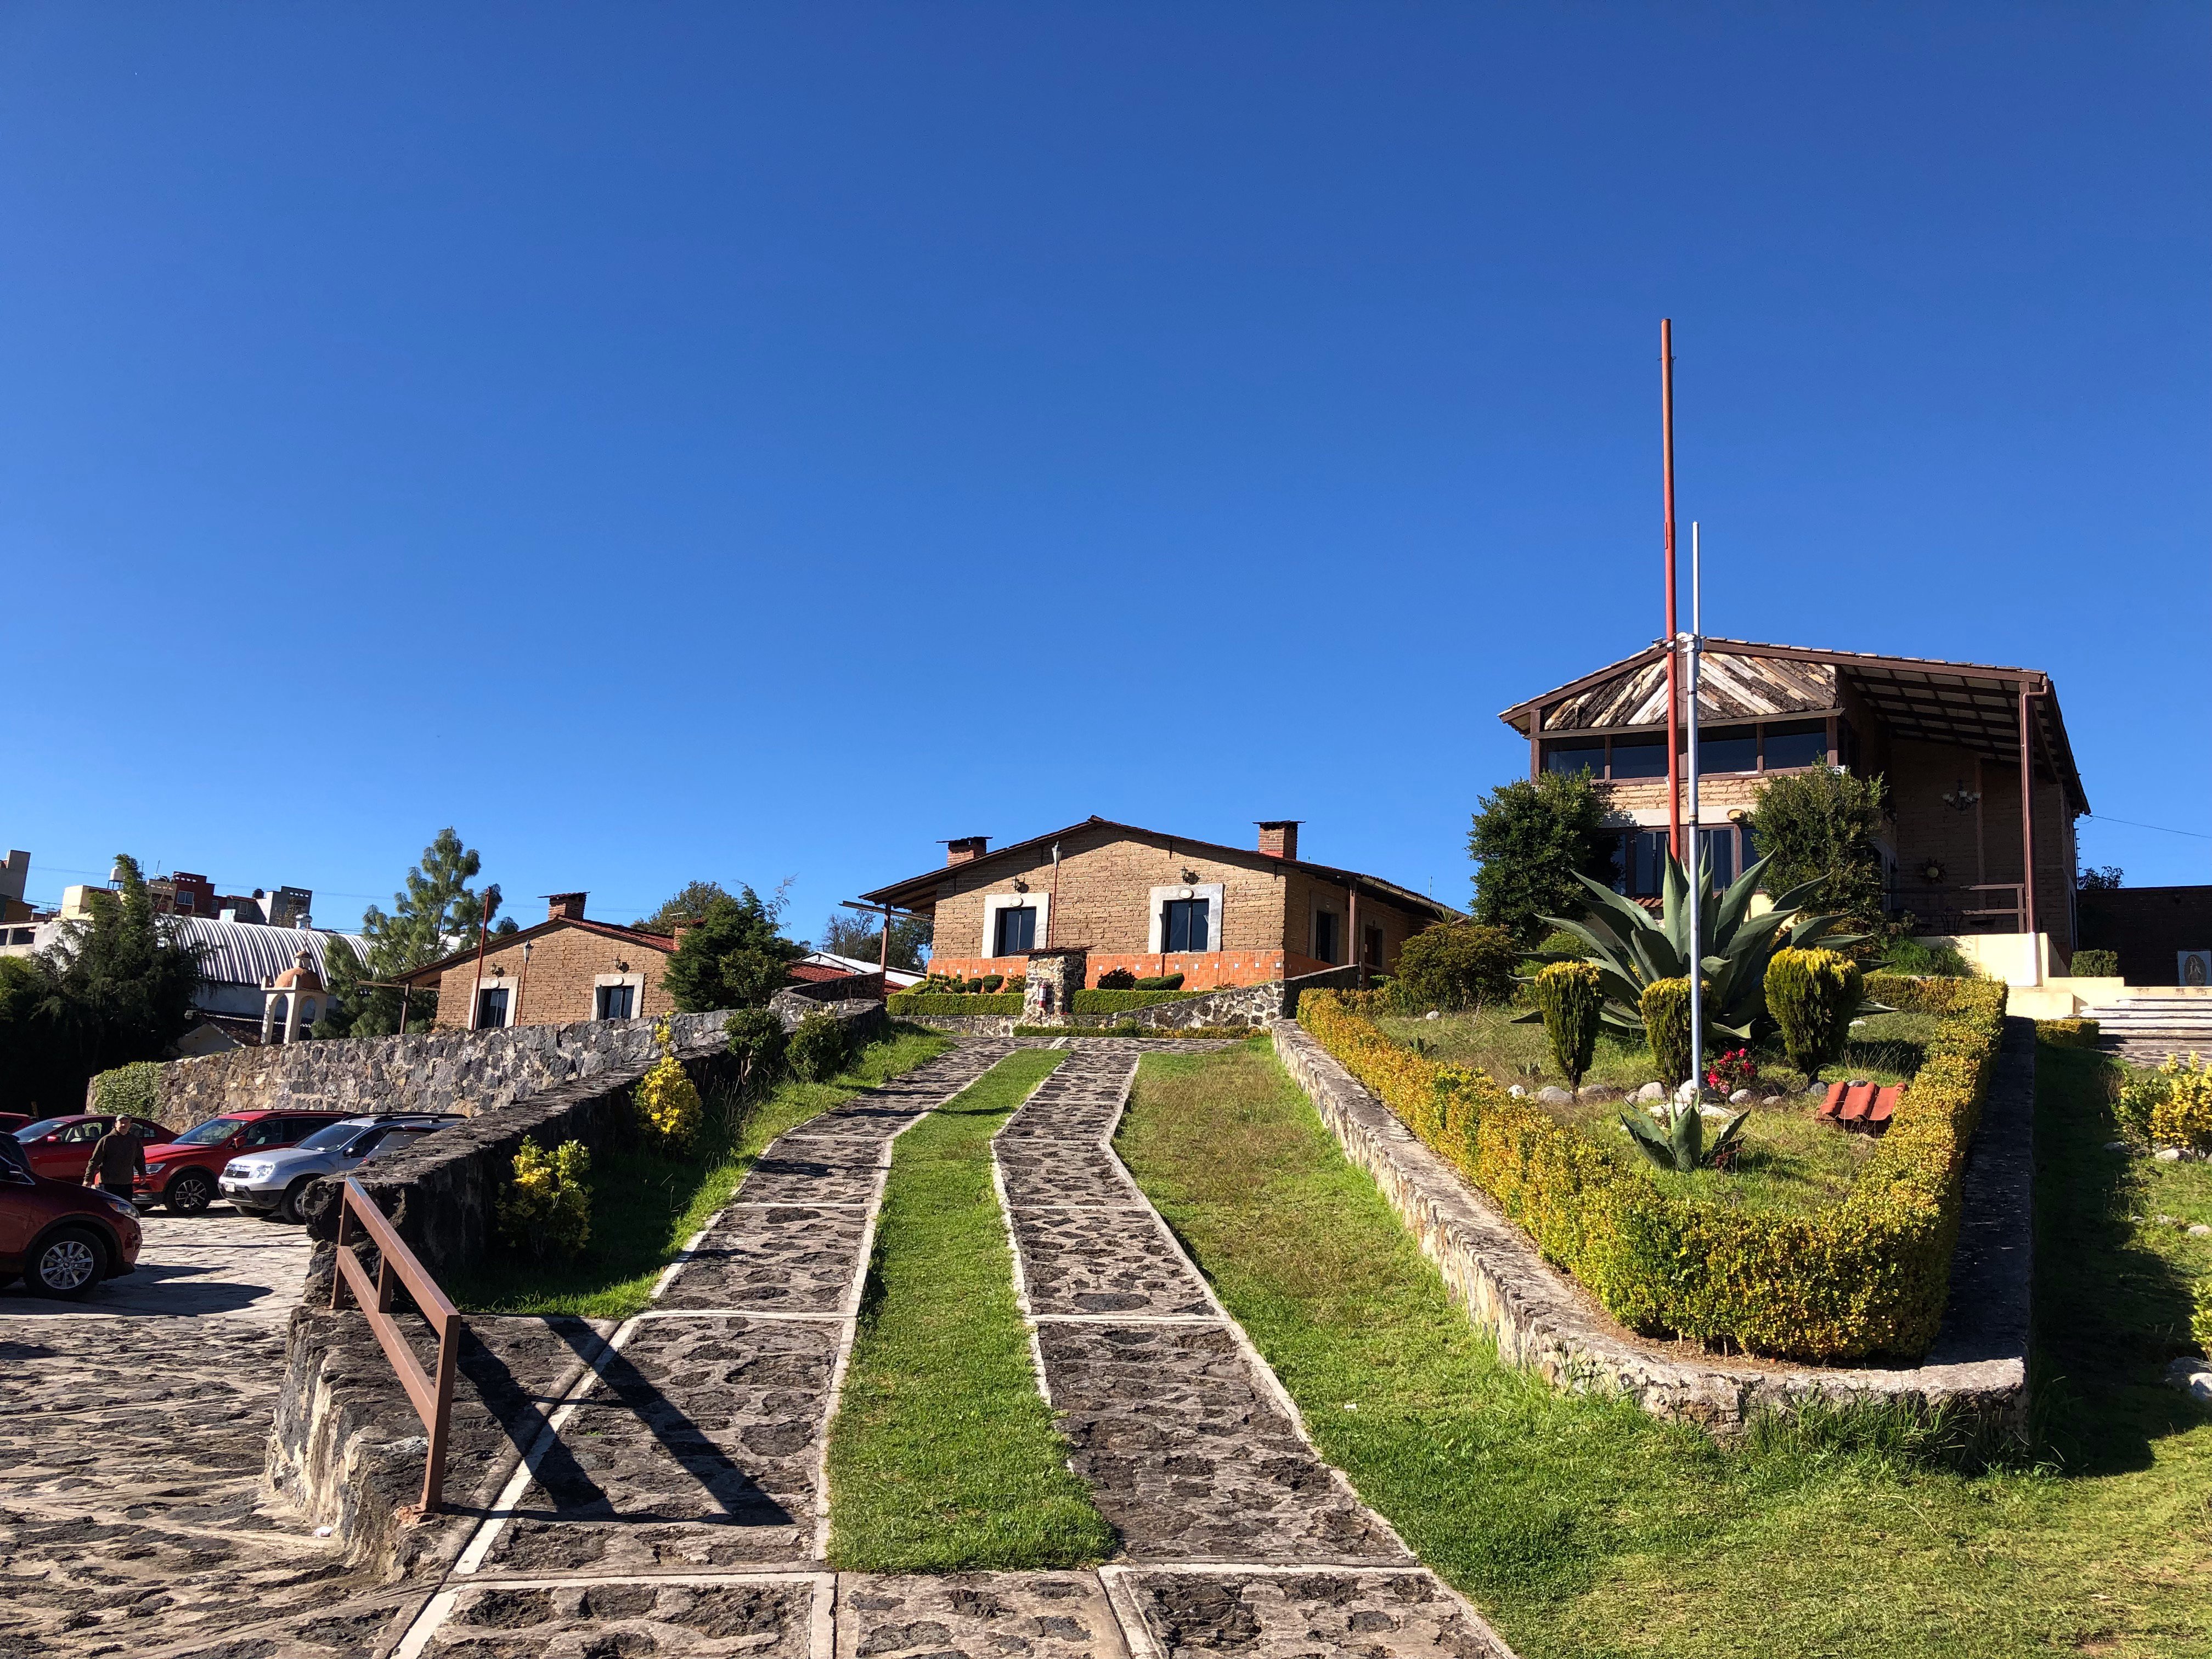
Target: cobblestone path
<point>1235,1535</point>
<point>131,1513</point>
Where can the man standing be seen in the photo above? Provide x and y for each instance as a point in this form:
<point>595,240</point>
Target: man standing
<point>118,1158</point>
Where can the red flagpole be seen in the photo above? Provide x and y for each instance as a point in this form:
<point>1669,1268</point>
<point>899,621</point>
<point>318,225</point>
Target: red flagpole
<point>1674,700</point>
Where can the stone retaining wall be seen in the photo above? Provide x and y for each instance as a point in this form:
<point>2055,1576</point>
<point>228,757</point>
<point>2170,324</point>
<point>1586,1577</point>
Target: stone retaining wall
<point>1548,1323</point>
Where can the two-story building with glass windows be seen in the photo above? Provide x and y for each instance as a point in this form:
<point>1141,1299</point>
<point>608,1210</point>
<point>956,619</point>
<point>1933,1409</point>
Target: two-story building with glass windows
<point>1982,786</point>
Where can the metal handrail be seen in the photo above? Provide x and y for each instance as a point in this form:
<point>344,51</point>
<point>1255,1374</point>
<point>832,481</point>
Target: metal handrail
<point>433,1398</point>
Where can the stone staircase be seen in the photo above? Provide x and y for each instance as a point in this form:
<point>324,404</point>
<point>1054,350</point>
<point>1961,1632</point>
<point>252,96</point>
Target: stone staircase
<point>2144,1030</point>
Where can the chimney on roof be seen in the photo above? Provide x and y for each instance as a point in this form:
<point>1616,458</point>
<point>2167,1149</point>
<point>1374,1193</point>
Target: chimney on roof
<point>1278,837</point>
<point>966,849</point>
<point>565,907</point>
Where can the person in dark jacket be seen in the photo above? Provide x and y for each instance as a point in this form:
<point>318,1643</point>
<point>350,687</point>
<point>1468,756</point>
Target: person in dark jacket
<point>118,1158</point>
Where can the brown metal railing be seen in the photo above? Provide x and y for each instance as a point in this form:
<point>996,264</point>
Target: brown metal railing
<point>1984,906</point>
<point>432,1397</point>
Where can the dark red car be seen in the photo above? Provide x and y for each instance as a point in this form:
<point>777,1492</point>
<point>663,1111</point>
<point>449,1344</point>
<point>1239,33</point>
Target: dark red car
<point>62,1238</point>
<point>182,1173</point>
<point>59,1148</point>
<point>11,1121</point>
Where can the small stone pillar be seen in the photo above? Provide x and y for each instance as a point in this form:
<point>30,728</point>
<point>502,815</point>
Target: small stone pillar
<point>1054,976</point>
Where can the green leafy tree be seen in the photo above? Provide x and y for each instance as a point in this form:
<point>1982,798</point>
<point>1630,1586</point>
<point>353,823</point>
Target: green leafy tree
<point>1532,838</point>
<point>1816,831</point>
<point>113,990</point>
<point>688,903</point>
<point>1456,964</point>
<point>855,933</point>
<point>736,957</point>
<point>437,912</point>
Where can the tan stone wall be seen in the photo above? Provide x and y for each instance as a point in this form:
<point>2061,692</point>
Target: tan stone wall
<point>1104,901</point>
<point>562,966</point>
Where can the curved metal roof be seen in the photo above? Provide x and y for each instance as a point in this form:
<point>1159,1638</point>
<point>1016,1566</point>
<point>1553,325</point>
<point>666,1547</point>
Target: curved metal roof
<point>247,953</point>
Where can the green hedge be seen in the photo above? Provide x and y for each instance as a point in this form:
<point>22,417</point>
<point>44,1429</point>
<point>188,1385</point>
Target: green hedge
<point>1119,1002</point>
<point>134,1089</point>
<point>2094,964</point>
<point>1865,1280</point>
<point>2068,1033</point>
<point>955,1002</point>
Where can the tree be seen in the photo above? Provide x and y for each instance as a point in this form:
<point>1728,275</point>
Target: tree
<point>116,988</point>
<point>2099,878</point>
<point>1456,964</point>
<point>1531,839</point>
<point>1816,830</point>
<point>736,957</point>
<point>436,912</point>
<point>688,903</point>
<point>854,934</point>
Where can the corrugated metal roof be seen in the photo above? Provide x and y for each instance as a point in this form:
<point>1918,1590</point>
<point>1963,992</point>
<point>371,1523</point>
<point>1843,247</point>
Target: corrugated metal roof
<point>246,953</point>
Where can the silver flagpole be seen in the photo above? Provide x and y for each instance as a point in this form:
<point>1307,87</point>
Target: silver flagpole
<point>1697,843</point>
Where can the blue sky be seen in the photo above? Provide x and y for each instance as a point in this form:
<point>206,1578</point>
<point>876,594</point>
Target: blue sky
<point>747,443</point>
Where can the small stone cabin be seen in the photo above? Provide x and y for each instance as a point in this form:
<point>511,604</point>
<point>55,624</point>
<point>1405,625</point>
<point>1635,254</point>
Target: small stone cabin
<point>1157,904</point>
<point>567,967</point>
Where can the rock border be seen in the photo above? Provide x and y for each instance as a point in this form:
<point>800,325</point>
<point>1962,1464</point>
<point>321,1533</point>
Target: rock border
<point>1545,1323</point>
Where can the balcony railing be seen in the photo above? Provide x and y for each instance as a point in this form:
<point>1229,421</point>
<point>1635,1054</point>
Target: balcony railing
<point>1988,907</point>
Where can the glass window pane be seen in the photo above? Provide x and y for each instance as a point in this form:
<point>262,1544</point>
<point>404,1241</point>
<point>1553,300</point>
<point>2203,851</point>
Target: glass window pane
<point>1727,748</point>
<point>1639,757</point>
<point>1574,756</point>
<point>1648,878</point>
<point>1718,847</point>
<point>1016,931</point>
<point>1799,743</point>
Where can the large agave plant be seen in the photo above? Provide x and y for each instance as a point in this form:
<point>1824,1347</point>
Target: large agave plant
<point>1630,948</point>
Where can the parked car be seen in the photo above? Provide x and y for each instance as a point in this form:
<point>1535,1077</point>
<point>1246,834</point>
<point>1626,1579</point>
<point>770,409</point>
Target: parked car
<point>11,1121</point>
<point>60,1237</point>
<point>182,1173</point>
<point>272,1183</point>
<point>60,1147</point>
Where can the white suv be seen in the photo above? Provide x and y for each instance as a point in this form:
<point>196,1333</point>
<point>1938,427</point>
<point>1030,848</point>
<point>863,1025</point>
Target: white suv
<point>272,1184</point>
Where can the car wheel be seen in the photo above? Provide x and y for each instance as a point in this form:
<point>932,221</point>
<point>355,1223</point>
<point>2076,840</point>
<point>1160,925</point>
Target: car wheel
<point>67,1264</point>
<point>189,1193</point>
<point>288,1208</point>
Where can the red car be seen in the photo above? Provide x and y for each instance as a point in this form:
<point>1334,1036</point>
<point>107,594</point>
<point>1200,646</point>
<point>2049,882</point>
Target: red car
<point>59,1148</point>
<point>11,1121</point>
<point>62,1238</point>
<point>182,1173</point>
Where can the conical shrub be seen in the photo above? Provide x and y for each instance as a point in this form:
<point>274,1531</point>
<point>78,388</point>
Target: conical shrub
<point>1665,1006</point>
<point>1571,995</point>
<point>1812,995</point>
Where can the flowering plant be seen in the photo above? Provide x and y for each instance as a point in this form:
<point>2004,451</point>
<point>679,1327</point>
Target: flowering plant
<point>1732,1071</point>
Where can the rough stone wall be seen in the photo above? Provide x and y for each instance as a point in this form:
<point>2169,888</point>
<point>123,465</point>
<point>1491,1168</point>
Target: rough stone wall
<point>433,1072</point>
<point>562,965</point>
<point>1546,1322</point>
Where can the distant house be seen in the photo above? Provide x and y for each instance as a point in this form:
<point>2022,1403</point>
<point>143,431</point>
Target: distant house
<point>1976,760</point>
<point>567,967</point>
<point>1159,903</point>
<point>824,966</point>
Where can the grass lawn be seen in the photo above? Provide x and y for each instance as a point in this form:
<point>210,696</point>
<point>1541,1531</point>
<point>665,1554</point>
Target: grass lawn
<point>646,1206</point>
<point>943,1456</point>
<point>1584,1528</point>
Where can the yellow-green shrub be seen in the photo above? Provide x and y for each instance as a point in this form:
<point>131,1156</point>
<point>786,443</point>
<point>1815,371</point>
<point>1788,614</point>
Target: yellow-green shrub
<point>667,1101</point>
<point>2067,1033</point>
<point>2184,1116</point>
<point>1812,994</point>
<point>1571,996</point>
<point>1665,1006</point>
<point>1864,1280</point>
<point>547,1208</point>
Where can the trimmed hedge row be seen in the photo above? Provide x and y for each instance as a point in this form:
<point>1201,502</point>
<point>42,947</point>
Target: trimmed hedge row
<point>2067,1033</point>
<point>1865,1280</point>
<point>1117,1002</point>
<point>955,1002</point>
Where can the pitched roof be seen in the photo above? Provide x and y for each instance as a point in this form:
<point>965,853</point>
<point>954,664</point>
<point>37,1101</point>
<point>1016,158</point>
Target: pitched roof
<point>1974,705</point>
<point>922,889</point>
<point>639,936</point>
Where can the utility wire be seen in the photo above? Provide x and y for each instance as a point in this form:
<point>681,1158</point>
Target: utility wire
<point>2100,817</point>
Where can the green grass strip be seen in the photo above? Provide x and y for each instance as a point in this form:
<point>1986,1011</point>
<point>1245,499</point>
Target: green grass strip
<point>1584,1528</point>
<point>943,1456</point>
<point>646,1206</point>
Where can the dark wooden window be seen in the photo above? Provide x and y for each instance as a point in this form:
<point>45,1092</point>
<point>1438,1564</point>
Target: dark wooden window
<point>491,1009</point>
<point>1183,927</point>
<point>1727,748</point>
<point>1576,757</point>
<point>1325,935</point>
<point>1639,757</point>
<point>1016,931</point>
<point>1370,944</point>
<point>615,1002</point>
<point>1639,861</point>
<point>1796,742</point>
<point>1719,846</point>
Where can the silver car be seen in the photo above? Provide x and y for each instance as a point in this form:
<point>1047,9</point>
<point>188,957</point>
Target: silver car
<point>272,1183</point>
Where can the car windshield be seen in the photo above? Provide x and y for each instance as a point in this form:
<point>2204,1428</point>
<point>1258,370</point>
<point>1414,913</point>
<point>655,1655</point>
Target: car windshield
<point>209,1133</point>
<point>329,1135</point>
<point>44,1125</point>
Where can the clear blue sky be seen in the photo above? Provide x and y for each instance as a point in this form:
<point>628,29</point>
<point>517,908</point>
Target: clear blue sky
<point>696,440</point>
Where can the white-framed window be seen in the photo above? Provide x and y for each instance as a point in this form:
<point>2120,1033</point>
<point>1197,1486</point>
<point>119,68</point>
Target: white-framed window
<point>617,996</point>
<point>491,1008</point>
<point>1185,919</point>
<point>1013,923</point>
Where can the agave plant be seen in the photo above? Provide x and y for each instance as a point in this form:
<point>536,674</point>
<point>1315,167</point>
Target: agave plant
<point>1630,948</point>
<point>1680,1144</point>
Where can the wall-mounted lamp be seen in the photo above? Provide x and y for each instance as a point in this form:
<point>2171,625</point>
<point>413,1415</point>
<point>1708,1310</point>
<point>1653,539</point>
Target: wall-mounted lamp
<point>621,967</point>
<point>1190,876</point>
<point>1020,887</point>
<point>1961,799</point>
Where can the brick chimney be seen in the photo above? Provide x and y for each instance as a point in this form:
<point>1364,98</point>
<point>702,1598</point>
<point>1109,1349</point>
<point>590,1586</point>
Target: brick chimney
<point>966,849</point>
<point>1278,837</point>
<point>565,907</point>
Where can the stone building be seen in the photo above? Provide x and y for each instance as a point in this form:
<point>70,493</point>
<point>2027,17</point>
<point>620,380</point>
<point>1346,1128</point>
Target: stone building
<point>1155,903</point>
<point>567,967</point>
<point>1956,741</point>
